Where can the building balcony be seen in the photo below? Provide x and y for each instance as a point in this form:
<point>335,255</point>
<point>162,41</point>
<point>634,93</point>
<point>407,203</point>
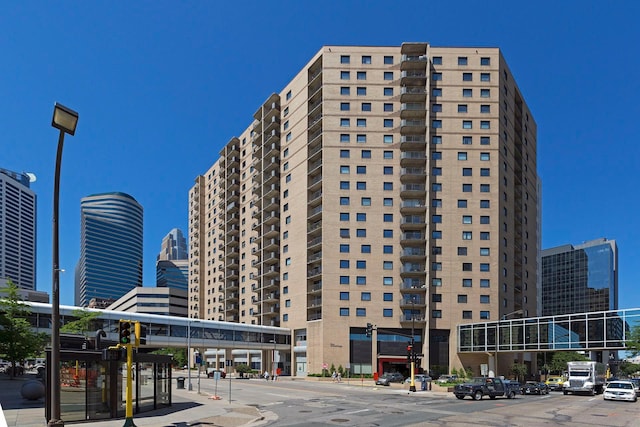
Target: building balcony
<point>411,110</point>
<point>317,241</point>
<point>271,244</point>
<point>314,214</point>
<point>413,93</point>
<point>412,318</point>
<point>314,182</point>
<point>413,174</point>
<point>417,301</point>
<point>412,190</point>
<point>413,126</point>
<point>315,287</point>
<point>315,258</point>
<point>314,272</point>
<point>412,158</point>
<point>409,283</point>
<point>272,231</point>
<point>412,237</point>
<point>409,268</point>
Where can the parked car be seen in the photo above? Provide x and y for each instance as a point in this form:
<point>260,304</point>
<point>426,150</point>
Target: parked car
<point>418,378</point>
<point>390,377</point>
<point>447,378</point>
<point>620,390</point>
<point>212,373</point>
<point>554,383</point>
<point>534,387</point>
<point>636,385</point>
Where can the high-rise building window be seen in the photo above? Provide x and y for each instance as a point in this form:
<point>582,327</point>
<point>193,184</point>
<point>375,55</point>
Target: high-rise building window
<point>462,60</point>
<point>436,60</point>
<point>345,75</point>
<point>366,59</point>
<point>344,311</point>
<point>361,75</point>
<point>345,90</point>
<point>345,59</point>
<point>388,60</point>
<point>388,91</point>
<point>361,312</point>
<point>388,75</point>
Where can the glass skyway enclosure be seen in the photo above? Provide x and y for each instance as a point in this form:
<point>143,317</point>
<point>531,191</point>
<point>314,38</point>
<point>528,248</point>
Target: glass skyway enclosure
<point>584,331</point>
<point>168,331</point>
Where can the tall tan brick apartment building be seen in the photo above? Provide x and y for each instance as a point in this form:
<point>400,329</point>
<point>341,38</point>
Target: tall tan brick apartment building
<point>395,186</point>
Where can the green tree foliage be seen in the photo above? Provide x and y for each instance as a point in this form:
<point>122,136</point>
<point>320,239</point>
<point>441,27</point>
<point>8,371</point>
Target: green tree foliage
<point>84,323</point>
<point>633,342</point>
<point>628,369</point>
<point>243,368</point>
<point>179,355</point>
<point>17,339</point>
<point>519,370</point>
<point>558,363</point>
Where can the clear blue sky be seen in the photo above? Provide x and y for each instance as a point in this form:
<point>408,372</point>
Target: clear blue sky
<point>160,87</point>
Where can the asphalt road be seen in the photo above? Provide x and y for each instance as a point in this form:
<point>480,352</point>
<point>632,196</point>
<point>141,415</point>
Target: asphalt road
<point>311,403</point>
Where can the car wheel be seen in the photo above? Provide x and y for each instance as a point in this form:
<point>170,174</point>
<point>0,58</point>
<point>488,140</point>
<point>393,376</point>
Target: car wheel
<point>511,395</point>
<point>477,395</point>
<point>459,396</point>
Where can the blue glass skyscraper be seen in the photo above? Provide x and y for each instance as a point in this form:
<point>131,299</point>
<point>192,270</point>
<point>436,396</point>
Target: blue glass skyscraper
<point>110,247</point>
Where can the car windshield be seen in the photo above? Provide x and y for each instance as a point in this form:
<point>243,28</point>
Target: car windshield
<point>478,381</point>
<point>579,374</point>
<point>627,386</point>
<point>531,383</point>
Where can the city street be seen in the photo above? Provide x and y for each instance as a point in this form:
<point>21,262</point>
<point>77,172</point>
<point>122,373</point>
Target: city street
<point>320,403</point>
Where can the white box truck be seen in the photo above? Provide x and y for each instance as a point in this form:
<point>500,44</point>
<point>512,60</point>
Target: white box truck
<point>584,377</point>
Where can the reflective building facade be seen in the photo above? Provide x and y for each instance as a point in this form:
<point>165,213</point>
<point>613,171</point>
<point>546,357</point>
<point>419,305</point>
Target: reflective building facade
<point>582,278</point>
<point>110,247</point>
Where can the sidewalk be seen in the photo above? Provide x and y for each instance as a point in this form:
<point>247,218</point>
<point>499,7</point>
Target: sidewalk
<point>189,409</point>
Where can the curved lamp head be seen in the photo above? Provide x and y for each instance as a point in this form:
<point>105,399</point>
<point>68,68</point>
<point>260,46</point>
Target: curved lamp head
<point>64,119</point>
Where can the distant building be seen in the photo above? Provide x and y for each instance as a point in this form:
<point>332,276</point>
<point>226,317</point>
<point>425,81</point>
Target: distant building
<point>174,246</point>
<point>581,278</point>
<point>100,302</point>
<point>17,230</point>
<point>110,247</point>
<point>148,300</point>
<point>172,266</point>
<point>172,274</point>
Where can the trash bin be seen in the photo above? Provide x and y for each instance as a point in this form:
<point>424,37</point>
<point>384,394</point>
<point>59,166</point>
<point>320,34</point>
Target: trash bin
<point>424,384</point>
<point>180,382</point>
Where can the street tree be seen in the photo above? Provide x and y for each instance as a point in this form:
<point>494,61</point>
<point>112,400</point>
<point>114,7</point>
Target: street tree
<point>559,360</point>
<point>84,323</point>
<point>18,341</point>
<point>633,342</point>
<point>519,370</point>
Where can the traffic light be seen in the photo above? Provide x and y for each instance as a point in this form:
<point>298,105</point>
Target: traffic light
<point>125,332</point>
<point>369,330</point>
<point>141,334</point>
<point>409,352</point>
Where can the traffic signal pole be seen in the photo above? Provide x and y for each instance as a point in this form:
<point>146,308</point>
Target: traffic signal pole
<point>129,391</point>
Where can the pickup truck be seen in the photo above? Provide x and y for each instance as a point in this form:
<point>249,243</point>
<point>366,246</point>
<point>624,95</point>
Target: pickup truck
<point>492,387</point>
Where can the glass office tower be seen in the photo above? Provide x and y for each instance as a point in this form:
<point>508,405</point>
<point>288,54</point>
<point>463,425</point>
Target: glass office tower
<point>582,278</point>
<point>110,247</point>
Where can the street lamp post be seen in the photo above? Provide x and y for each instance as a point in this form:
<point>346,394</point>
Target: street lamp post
<point>189,386</point>
<point>66,121</point>
<point>273,359</point>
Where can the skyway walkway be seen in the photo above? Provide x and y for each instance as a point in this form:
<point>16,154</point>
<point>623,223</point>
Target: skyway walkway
<point>173,331</point>
<point>599,330</point>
